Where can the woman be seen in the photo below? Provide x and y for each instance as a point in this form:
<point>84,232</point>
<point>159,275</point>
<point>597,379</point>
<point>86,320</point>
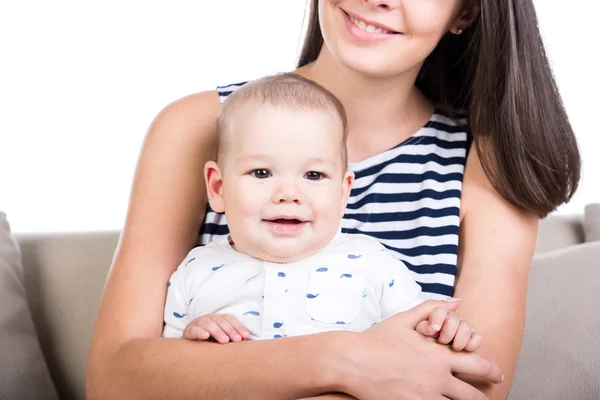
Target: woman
<point>406,72</point>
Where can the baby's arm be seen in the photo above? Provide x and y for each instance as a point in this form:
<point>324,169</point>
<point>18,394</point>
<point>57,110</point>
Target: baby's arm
<point>400,292</point>
<point>178,318</point>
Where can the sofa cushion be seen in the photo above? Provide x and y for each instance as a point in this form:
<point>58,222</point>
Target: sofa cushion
<point>560,355</point>
<point>64,278</point>
<point>559,231</point>
<point>591,222</point>
<point>24,374</point>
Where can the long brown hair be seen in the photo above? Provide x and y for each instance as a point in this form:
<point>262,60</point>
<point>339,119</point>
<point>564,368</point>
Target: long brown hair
<point>498,70</point>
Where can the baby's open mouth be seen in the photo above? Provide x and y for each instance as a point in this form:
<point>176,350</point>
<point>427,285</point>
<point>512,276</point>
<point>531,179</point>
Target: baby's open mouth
<point>290,221</point>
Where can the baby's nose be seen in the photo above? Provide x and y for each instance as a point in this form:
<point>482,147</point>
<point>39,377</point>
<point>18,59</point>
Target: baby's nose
<point>286,192</point>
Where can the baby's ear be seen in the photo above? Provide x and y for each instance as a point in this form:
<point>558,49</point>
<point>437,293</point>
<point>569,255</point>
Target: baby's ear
<point>214,186</point>
<point>346,187</point>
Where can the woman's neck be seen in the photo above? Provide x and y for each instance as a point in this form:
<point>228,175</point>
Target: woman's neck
<point>389,107</point>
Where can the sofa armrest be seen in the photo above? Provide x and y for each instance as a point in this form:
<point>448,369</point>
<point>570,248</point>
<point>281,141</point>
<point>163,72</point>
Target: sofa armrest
<point>64,276</point>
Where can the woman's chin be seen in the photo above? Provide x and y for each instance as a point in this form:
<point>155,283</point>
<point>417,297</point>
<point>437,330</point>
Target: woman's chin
<point>367,64</point>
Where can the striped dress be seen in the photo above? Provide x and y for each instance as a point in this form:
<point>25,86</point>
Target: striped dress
<point>407,197</point>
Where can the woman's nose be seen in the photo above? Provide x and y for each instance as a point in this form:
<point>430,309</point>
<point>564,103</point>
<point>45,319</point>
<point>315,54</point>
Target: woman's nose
<point>385,4</point>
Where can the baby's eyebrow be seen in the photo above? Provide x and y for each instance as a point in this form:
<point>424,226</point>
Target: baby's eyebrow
<point>254,157</point>
<point>318,160</point>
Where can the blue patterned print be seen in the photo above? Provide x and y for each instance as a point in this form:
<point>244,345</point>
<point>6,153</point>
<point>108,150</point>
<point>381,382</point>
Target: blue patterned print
<point>190,261</point>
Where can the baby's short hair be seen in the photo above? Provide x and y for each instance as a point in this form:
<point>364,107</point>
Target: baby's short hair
<point>285,90</point>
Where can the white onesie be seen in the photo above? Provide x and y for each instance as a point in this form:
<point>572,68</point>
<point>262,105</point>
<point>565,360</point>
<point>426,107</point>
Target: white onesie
<point>350,285</point>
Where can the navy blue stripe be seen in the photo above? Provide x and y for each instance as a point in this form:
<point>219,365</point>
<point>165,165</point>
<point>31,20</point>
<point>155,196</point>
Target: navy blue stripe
<point>404,215</point>
<point>409,178</point>
<point>408,234</point>
<point>214,229</point>
<point>440,126</point>
<point>403,197</point>
<point>225,94</point>
<point>410,159</point>
<point>233,84</point>
<point>439,142</point>
<point>431,268</point>
<point>437,288</point>
<point>424,250</point>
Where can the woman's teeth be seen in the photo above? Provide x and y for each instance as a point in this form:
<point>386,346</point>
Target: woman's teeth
<point>367,28</point>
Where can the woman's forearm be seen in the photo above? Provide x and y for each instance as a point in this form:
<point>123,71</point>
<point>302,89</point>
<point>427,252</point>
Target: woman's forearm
<point>289,368</point>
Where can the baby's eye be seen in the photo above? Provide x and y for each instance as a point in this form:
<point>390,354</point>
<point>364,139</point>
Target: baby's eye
<point>314,176</point>
<point>261,173</point>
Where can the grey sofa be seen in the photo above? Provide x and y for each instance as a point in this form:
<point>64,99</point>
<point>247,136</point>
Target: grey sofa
<point>64,274</point>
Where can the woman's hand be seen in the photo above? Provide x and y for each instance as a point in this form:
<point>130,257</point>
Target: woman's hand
<point>393,361</point>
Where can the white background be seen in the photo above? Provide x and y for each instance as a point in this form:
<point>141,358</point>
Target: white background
<point>80,82</point>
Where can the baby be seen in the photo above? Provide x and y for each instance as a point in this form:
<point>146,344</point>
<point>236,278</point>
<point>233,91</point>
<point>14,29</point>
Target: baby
<point>286,269</point>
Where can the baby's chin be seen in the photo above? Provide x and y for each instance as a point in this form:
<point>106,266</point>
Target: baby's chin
<point>284,254</point>
<point>287,256</point>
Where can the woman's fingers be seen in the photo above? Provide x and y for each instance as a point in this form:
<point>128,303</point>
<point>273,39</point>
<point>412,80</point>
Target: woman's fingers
<point>459,390</point>
<point>477,365</point>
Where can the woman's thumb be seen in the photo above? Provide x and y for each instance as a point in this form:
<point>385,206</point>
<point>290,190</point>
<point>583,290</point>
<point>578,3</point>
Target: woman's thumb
<point>423,310</point>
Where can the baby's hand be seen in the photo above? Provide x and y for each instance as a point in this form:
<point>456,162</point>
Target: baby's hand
<point>447,327</point>
<point>222,327</point>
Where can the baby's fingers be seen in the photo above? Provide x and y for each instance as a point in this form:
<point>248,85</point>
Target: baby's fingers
<point>474,342</point>
<point>237,325</point>
<point>194,332</point>
<point>436,319</point>
<point>449,328</point>
<point>462,337</point>
<point>224,322</point>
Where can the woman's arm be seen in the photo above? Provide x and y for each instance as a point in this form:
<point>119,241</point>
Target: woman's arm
<point>128,359</point>
<point>495,250</point>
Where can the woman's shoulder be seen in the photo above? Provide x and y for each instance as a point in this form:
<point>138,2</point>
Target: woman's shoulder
<point>191,119</point>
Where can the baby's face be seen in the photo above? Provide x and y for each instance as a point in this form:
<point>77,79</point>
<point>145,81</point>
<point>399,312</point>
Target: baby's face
<point>283,188</point>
